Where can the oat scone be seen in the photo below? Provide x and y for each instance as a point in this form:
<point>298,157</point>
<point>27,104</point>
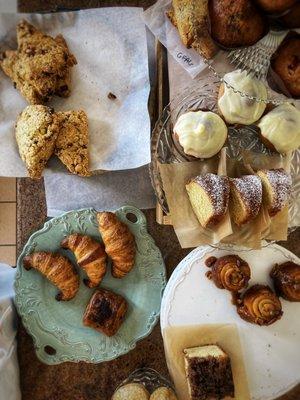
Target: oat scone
<point>36,132</point>
<point>72,142</point>
<point>40,67</point>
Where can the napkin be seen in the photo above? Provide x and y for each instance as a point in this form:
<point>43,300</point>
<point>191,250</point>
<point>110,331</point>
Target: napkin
<point>111,49</point>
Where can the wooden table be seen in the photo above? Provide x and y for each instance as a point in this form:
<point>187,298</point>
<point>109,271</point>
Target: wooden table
<point>81,381</point>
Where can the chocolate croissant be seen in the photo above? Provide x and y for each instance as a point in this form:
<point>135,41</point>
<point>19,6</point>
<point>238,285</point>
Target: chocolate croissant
<point>57,269</point>
<point>119,243</point>
<point>90,256</point>
<point>286,278</point>
<point>259,305</point>
<point>229,272</point>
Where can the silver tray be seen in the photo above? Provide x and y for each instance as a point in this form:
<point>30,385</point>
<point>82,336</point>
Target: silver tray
<point>204,96</point>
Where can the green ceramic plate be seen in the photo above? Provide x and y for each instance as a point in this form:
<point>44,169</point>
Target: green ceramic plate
<point>56,327</point>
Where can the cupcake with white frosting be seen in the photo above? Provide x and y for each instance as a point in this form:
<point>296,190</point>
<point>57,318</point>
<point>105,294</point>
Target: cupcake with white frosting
<point>237,109</point>
<point>201,134</point>
<point>280,128</point>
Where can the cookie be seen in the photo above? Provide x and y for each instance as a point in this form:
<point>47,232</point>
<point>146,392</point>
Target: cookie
<point>131,391</point>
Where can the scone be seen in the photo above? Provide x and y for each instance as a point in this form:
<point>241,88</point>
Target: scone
<point>275,6</point>
<point>201,134</point>
<point>105,312</point>
<point>280,128</point>
<point>72,143</point>
<point>277,187</point>
<point>40,67</point>
<point>131,391</point>
<point>245,198</point>
<point>37,129</point>
<point>236,23</point>
<point>237,109</point>
<point>286,64</point>
<point>163,393</point>
<point>209,195</point>
<point>191,19</point>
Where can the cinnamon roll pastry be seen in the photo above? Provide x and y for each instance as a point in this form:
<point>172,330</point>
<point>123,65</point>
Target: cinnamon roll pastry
<point>229,272</point>
<point>286,278</point>
<point>259,305</point>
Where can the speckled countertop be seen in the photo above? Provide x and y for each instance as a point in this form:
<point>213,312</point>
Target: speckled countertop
<point>82,381</point>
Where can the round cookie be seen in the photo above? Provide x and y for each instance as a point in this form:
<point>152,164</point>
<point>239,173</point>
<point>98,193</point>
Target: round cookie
<point>163,393</point>
<point>132,391</point>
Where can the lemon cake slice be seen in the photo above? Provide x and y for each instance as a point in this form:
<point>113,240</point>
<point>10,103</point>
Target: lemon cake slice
<point>209,195</point>
<point>277,187</point>
<point>208,373</point>
<point>245,198</point>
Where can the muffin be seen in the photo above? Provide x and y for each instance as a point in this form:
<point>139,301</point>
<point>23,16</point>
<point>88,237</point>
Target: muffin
<point>275,6</point>
<point>237,109</point>
<point>280,128</point>
<point>236,23</point>
<point>291,19</point>
<point>201,134</point>
<point>286,64</point>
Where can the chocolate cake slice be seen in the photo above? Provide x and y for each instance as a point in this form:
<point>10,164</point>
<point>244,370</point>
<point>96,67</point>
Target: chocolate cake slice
<point>209,373</point>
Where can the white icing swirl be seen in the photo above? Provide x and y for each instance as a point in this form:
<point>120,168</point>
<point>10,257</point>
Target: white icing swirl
<point>281,127</point>
<point>202,134</point>
<point>238,109</point>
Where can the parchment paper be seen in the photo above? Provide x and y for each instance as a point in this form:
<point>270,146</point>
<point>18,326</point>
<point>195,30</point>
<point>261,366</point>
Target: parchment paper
<point>187,228</point>
<point>178,338</point>
<point>111,49</point>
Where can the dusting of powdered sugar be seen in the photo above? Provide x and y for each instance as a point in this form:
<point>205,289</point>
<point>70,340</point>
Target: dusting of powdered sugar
<point>250,189</point>
<point>281,183</point>
<point>217,187</point>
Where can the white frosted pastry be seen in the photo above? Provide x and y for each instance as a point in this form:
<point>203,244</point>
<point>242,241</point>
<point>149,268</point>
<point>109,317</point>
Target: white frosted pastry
<point>202,134</point>
<point>281,128</point>
<point>237,109</point>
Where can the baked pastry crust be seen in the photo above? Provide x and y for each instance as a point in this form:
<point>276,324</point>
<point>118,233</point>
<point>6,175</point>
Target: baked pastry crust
<point>163,393</point>
<point>229,272</point>
<point>90,256</point>
<point>245,198</point>
<point>105,312</point>
<point>119,243</point>
<point>214,190</point>
<point>277,187</point>
<point>36,132</point>
<point>191,19</point>
<point>57,269</point>
<point>131,391</point>
<point>236,23</point>
<point>286,64</point>
<point>259,305</point>
<point>286,278</point>
<point>40,68</point>
<point>72,142</point>
<point>275,6</point>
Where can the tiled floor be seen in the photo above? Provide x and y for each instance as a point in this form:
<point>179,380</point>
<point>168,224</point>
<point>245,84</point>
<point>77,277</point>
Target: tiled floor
<point>8,220</point>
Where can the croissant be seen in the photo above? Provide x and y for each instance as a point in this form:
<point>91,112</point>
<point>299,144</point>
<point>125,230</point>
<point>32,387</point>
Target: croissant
<point>90,256</point>
<point>119,243</point>
<point>229,272</point>
<point>259,305</point>
<point>286,278</point>
<point>57,269</point>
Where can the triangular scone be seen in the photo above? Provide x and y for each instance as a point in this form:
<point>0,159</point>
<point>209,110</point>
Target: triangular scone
<point>36,132</point>
<point>40,68</point>
<point>72,142</point>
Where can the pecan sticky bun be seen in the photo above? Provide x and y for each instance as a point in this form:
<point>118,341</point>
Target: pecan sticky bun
<point>229,272</point>
<point>286,278</point>
<point>259,305</point>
